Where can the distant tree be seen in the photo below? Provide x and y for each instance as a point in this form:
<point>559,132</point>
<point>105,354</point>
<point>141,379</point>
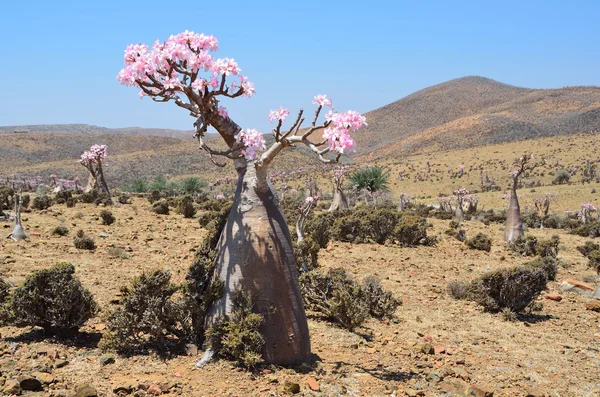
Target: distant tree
<point>92,160</point>
<point>587,209</point>
<point>542,205</point>
<point>460,194</point>
<point>339,201</point>
<point>160,183</point>
<point>255,253</point>
<point>562,176</point>
<point>513,229</point>
<point>309,204</point>
<point>139,185</point>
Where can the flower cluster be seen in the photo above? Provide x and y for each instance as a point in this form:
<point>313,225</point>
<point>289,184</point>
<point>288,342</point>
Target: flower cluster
<point>94,155</point>
<point>279,114</point>
<point>588,207</point>
<point>311,199</point>
<point>471,198</point>
<point>322,100</point>
<point>252,140</point>
<point>220,197</point>
<point>461,192</point>
<point>461,167</point>
<point>167,67</point>
<point>338,133</point>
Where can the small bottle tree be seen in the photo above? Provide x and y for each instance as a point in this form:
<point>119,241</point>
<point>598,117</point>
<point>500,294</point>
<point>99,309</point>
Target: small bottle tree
<point>587,209</point>
<point>92,160</point>
<point>254,253</point>
<point>339,201</point>
<point>309,205</point>
<point>460,194</point>
<point>542,206</point>
<point>18,233</point>
<point>513,229</point>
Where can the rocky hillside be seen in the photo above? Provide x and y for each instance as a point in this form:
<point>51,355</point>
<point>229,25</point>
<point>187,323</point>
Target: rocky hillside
<point>93,129</point>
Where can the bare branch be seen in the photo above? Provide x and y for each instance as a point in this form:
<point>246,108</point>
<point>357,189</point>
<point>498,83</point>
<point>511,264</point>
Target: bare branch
<point>296,125</point>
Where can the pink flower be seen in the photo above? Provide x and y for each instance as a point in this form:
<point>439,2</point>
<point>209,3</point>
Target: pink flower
<point>252,140</point>
<point>322,100</point>
<point>279,114</point>
<point>222,110</point>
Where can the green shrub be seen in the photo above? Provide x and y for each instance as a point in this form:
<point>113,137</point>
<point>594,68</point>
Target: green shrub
<point>62,196</point>
<point>513,288</point>
<point>71,203</point>
<point>548,264</point>
<point>206,218</point>
<point>307,254</point>
<point>53,299</point>
<point>60,231</point>
<point>531,246</point>
<point>89,197</point>
<point>4,292</point>
<point>139,185</point>
<point>480,242</point>
<point>343,301</point>
<point>83,242</point>
<point>107,217</point>
<point>347,229</point>
<point>412,231</point>
<point>549,248</point>
<point>591,251</point>
<point>148,318</point>
<point>215,205</point>
<point>591,230</point>
<point>561,177</point>
<point>193,185</point>
<point>161,207</point>
<point>185,207</point>
<point>319,227</point>
<point>237,336</point>
<point>42,202</point>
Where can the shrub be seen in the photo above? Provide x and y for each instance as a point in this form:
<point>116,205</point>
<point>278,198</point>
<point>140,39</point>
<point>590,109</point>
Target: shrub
<point>4,292</point>
<point>382,304</point>
<point>139,186</point>
<point>412,231</point>
<point>457,289</point>
<point>513,288</point>
<point>185,207</point>
<point>206,218</point>
<point>115,252</point>
<point>343,301</point>
<point>148,316</point>
<point>307,254</point>
<point>192,185</point>
<point>237,336</point>
<point>215,204</point>
<point>107,217</point>
<point>71,203</point>
<point>62,196</point>
<point>53,299</point>
<point>161,207</point>
<point>562,176</point>
<point>591,251</point>
<point>89,197</point>
<point>124,198</point>
<point>155,195</point>
<point>480,242</point>
<point>42,202</point>
<point>588,247</point>
<point>60,231</point>
<point>372,179</point>
<point>347,229</point>
<point>591,230</point>
<point>319,227</point>
<point>549,248</point>
<point>548,264</point>
<point>83,242</point>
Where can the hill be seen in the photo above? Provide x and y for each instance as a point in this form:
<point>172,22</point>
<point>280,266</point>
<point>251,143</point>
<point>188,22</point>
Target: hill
<point>475,111</point>
<point>93,129</point>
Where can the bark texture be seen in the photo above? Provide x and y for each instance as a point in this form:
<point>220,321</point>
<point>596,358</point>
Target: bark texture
<point>255,255</point>
<point>339,201</point>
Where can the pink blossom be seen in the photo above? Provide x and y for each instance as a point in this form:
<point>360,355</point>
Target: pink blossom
<point>279,114</point>
<point>338,133</point>
<point>222,110</point>
<point>252,140</point>
<point>322,100</point>
<point>220,197</point>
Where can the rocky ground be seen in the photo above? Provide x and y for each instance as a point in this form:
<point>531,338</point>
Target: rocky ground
<point>435,346</point>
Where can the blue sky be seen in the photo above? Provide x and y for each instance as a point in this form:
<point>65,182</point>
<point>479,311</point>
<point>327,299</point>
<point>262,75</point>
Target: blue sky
<point>60,59</point>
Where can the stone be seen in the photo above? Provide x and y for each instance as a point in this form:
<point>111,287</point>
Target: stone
<point>371,350</point>
<point>85,391</point>
<point>103,234</point>
<point>313,384</point>
<point>479,391</point>
<point>44,377</point>
<point>154,390</point>
<point>439,350</point>
<point>435,376</point>
<point>426,348</point>
<point>191,349</point>
<point>291,387</point>
<point>576,286</point>
<point>535,392</point>
<point>12,386</point>
<point>30,383</point>
<point>122,389</point>
<point>593,305</point>
<point>106,360</point>
<point>60,363</point>
<point>553,297</point>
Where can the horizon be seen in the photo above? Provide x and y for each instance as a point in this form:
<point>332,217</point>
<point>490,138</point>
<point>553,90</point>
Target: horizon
<point>289,62</point>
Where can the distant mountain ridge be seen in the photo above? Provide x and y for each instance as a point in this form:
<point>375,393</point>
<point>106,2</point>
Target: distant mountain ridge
<point>475,111</point>
<point>93,129</point>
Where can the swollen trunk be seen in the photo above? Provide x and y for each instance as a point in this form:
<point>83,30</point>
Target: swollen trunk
<point>513,229</point>
<point>255,255</point>
<point>339,201</point>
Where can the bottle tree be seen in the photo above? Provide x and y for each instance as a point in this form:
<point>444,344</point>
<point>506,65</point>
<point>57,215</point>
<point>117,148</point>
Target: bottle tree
<point>255,252</point>
<point>513,228</point>
<point>92,160</point>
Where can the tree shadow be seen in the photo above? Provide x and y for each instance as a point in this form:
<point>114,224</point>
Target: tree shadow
<point>87,340</point>
<point>380,372</point>
<point>531,318</point>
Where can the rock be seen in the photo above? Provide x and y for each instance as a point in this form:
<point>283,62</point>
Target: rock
<point>44,377</point>
<point>12,386</point>
<point>106,360</point>
<point>439,350</point>
<point>426,348</point>
<point>371,350</point>
<point>479,391</point>
<point>534,392</point>
<point>122,389</point>
<point>576,286</point>
<point>154,390</point>
<point>413,393</point>
<point>291,387</point>
<point>85,391</point>
<point>553,297</point>
<point>30,383</point>
<point>435,376</point>
<point>191,349</point>
<point>60,363</point>
<point>313,384</point>
<point>139,393</point>
<point>103,234</point>
<point>593,305</point>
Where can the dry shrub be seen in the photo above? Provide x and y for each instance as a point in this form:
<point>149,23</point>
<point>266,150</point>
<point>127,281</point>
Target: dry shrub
<point>60,231</point>
<point>107,217</point>
<point>161,207</point>
<point>457,289</point>
<point>83,242</point>
<point>42,202</point>
<point>237,336</point>
<point>480,242</point>
<point>548,264</point>
<point>307,254</point>
<point>185,207</point>
<point>53,299</point>
<point>62,196</point>
<point>531,246</point>
<point>148,317</point>
<point>513,288</point>
<point>591,251</point>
